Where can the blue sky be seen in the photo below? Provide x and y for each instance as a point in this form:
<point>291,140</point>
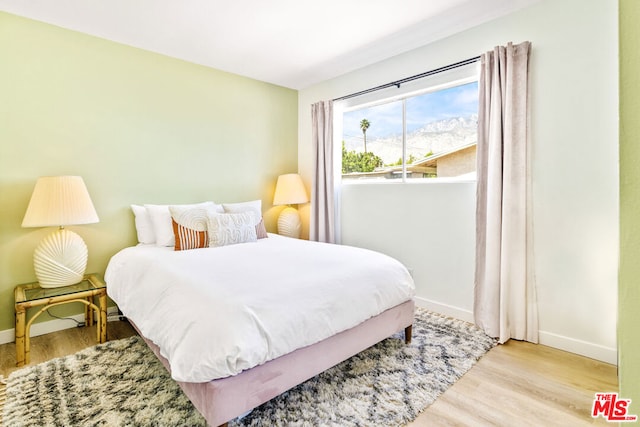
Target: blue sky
<point>386,119</point>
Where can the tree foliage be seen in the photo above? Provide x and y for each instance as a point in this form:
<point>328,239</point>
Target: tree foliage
<point>411,159</point>
<point>359,162</point>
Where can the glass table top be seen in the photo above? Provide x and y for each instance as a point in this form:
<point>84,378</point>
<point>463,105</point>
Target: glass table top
<point>33,291</point>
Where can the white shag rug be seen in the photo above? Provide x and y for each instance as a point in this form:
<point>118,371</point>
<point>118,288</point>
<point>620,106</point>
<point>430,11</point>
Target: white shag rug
<point>121,383</point>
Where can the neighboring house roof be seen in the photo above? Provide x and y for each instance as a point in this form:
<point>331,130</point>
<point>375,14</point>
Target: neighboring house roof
<point>425,165</point>
<point>433,159</point>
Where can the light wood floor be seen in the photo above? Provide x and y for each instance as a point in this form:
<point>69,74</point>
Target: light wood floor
<point>523,384</point>
<point>516,384</point>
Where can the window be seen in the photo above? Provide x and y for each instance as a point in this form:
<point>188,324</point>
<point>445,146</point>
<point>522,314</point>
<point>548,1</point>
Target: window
<point>424,134</point>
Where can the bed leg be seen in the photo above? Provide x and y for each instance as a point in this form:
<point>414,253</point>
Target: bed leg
<point>407,334</point>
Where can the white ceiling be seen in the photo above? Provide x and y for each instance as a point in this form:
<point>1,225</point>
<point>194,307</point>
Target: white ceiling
<point>292,43</point>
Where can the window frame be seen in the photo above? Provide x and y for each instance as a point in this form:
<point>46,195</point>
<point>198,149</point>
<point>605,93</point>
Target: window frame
<point>451,78</point>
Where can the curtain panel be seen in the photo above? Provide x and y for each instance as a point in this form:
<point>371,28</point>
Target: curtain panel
<point>505,303</point>
<point>322,217</point>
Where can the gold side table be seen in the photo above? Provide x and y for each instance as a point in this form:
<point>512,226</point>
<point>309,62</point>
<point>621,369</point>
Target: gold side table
<point>32,295</point>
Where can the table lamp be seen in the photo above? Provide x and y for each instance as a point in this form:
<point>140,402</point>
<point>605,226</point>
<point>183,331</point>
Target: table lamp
<point>60,259</point>
<point>289,191</point>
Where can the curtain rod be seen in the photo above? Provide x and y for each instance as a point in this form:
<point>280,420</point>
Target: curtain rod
<point>397,83</point>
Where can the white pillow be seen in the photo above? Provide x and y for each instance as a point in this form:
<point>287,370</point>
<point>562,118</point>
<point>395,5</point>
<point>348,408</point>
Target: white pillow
<point>161,220</point>
<point>231,228</point>
<point>144,227</point>
<point>252,206</point>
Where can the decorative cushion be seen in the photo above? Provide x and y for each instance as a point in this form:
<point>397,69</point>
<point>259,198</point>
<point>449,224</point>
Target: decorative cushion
<point>231,228</point>
<point>190,226</point>
<point>251,206</point>
<point>144,227</point>
<point>162,224</point>
<point>261,230</point>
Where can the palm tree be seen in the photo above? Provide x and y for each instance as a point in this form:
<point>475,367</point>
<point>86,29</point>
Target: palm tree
<point>364,125</point>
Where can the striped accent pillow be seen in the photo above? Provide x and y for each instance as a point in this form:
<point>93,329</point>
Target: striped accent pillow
<point>190,227</point>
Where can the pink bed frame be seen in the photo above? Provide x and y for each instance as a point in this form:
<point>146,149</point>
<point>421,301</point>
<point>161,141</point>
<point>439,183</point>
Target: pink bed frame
<point>222,400</point>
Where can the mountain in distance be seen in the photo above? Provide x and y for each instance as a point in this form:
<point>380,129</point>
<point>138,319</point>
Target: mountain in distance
<point>435,137</point>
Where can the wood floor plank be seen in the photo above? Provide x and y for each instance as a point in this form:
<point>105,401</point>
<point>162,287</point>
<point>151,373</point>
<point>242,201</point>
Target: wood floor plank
<point>61,343</point>
<point>517,383</point>
<point>524,384</point>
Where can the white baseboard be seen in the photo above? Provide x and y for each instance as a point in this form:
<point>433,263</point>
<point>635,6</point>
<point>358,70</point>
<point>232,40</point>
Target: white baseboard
<point>9,335</point>
<point>572,345</point>
<point>447,310</point>
<point>583,348</point>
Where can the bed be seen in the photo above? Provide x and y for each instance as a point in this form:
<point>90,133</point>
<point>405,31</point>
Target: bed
<point>239,324</point>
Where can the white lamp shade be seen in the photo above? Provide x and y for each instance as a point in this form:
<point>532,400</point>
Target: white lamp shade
<point>59,201</point>
<point>61,258</point>
<point>290,190</point>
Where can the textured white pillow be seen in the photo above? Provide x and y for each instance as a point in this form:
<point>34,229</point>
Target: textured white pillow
<point>144,227</point>
<point>161,220</point>
<point>252,206</point>
<point>231,228</point>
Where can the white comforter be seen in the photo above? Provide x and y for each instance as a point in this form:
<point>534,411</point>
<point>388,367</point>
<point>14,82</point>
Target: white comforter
<point>215,312</point>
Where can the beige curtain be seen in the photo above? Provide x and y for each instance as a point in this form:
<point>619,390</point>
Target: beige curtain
<point>505,297</point>
<point>322,218</point>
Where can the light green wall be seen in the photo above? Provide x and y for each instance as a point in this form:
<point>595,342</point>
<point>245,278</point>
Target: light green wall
<point>137,126</point>
<point>629,287</point>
